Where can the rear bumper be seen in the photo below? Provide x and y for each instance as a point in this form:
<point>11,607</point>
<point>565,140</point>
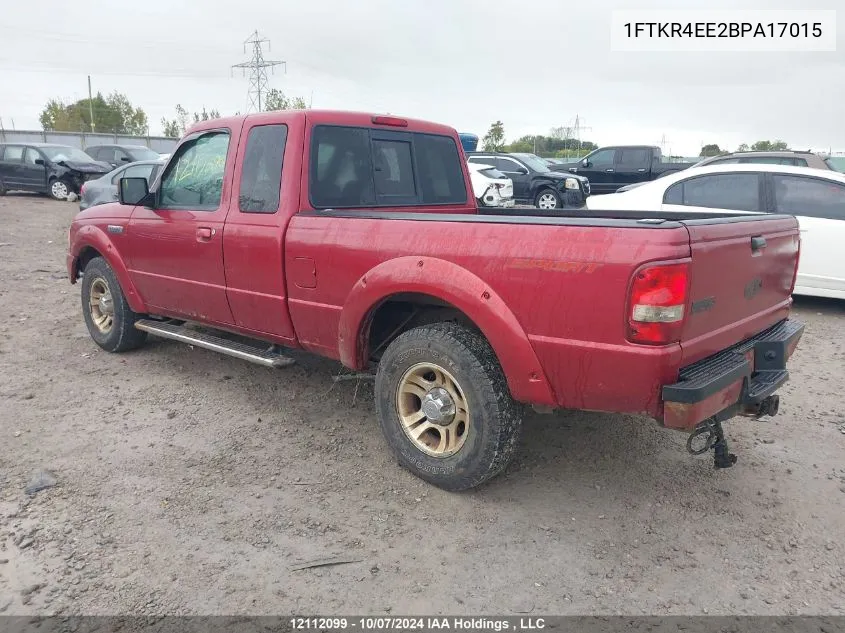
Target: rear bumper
<point>736,378</point>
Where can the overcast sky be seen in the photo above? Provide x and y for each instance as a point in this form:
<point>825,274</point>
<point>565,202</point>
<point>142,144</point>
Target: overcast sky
<point>534,64</point>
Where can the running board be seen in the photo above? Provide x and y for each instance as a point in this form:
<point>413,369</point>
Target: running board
<point>266,356</point>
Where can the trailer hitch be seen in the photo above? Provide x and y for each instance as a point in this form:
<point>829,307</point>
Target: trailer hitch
<point>710,435</point>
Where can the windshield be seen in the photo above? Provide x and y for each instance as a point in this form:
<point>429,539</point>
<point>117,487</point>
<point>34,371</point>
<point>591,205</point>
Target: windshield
<point>144,153</point>
<point>836,165</point>
<point>58,154</point>
<point>534,162</point>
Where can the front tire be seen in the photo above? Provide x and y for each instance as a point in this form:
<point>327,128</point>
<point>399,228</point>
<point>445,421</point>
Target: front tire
<point>59,189</point>
<point>110,320</point>
<point>444,406</point>
<point>547,199</point>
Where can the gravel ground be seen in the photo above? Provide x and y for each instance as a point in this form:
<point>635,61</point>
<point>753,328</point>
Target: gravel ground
<point>190,483</point>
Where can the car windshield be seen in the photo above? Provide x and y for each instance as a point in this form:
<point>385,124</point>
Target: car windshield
<point>534,162</point>
<point>840,167</point>
<point>58,154</point>
<point>143,153</point>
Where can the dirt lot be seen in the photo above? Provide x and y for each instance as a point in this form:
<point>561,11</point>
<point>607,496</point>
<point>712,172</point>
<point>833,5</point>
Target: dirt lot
<point>193,483</point>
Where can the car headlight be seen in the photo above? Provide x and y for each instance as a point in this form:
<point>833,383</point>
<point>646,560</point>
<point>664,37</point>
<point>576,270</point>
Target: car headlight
<point>571,183</point>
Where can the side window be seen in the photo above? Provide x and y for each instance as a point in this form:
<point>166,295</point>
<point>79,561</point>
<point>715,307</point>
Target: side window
<point>723,191</point>
<point>115,180</point>
<point>634,156</point>
<point>13,154</point>
<point>31,156</point>
<point>798,162</point>
<point>261,177</point>
<point>603,158</point>
<point>507,165</point>
<point>441,174</point>
<point>813,197</point>
<point>105,154</point>
<point>725,161</point>
<point>194,178</point>
<point>393,170</point>
<point>674,194</point>
<point>341,170</point>
<point>138,171</point>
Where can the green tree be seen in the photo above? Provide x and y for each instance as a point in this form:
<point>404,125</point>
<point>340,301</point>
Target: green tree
<point>769,146</point>
<point>276,100</point>
<point>114,114</point>
<point>712,149</point>
<point>494,140</point>
<point>742,148</point>
<point>177,126</point>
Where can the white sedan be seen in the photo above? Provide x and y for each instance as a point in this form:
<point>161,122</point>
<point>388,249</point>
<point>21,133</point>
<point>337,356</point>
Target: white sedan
<point>490,186</point>
<point>815,196</point>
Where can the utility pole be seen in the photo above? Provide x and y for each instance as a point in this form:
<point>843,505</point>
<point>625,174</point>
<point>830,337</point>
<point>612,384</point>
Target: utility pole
<point>90,105</point>
<point>257,66</point>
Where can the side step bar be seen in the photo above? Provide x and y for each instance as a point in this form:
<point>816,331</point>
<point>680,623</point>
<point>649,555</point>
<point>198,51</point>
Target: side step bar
<point>266,356</point>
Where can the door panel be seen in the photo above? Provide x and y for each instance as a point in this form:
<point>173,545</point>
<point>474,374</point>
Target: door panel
<point>521,182</point>
<point>33,176</point>
<point>633,164</point>
<point>11,167</point>
<point>601,171</point>
<point>176,248</point>
<point>253,239</point>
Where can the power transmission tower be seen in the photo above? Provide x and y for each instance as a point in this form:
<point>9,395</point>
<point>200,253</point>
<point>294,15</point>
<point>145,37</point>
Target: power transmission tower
<point>257,66</point>
<point>578,127</point>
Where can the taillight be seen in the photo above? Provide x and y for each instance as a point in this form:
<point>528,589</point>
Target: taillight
<point>797,261</point>
<point>657,304</point>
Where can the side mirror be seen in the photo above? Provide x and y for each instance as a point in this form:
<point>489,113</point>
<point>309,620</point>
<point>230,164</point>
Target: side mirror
<point>132,191</point>
<point>585,163</point>
<point>126,159</point>
<point>39,161</point>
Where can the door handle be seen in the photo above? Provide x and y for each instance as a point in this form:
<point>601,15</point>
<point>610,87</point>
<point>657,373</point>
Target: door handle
<point>641,169</point>
<point>205,233</point>
<point>758,243</point>
<point>608,170</point>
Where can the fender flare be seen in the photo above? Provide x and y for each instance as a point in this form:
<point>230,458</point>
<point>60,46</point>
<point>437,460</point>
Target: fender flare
<point>464,290</point>
<point>91,236</point>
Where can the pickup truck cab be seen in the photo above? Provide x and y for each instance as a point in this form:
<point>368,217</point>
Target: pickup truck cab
<point>357,237</point>
<point>609,168</point>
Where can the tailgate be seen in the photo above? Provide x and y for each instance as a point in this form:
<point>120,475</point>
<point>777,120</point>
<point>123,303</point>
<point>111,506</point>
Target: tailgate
<point>741,279</point>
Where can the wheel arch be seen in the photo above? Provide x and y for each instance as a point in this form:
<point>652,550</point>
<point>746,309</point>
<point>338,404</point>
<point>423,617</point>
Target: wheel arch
<point>452,293</point>
<point>92,242</point>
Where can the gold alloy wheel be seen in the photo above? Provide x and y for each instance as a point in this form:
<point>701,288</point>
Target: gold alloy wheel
<point>101,305</point>
<point>433,410</point>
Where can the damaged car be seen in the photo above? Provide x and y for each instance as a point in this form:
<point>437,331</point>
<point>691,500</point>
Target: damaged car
<point>56,170</point>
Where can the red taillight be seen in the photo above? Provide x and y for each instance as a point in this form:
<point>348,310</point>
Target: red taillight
<point>390,120</point>
<point>797,261</point>
<point>658,303</point>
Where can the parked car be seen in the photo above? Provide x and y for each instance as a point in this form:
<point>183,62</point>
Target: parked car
<point>815,196</point>
<point>357,237</point>
<point>117,155</point>
<point>490,186</point>
<point>104,189</point>
<point>57,170</point>
<point>797,159</point>
<point>533,181</point>
<point>609,168</point>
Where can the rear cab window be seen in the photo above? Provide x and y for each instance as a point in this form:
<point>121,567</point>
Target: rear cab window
<point>362,167</point>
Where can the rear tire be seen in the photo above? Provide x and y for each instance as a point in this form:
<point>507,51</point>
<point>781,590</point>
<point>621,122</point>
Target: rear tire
<point>548,199</point>
<point>444,406</point>
<point>110,320</point>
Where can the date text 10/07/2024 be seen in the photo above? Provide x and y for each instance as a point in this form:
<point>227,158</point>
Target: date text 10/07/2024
<point>416,624</point>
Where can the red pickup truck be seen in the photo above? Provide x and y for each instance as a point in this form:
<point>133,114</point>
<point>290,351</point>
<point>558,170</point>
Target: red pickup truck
<point>357,237</point>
